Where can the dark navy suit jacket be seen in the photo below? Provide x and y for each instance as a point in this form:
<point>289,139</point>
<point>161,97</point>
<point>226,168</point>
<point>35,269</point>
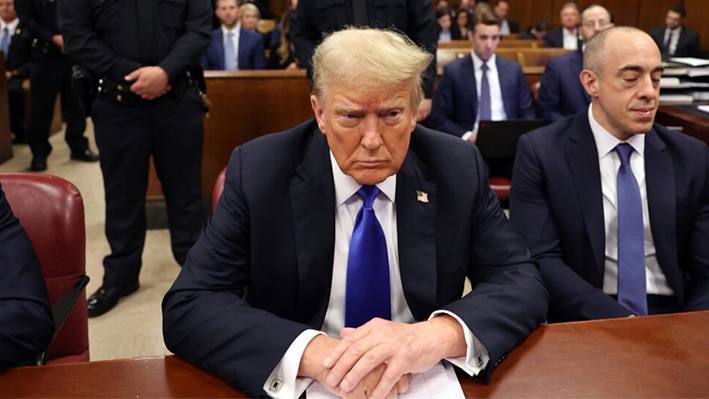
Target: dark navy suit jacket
<point>274,230</point>
<point>455,103</point>
<point>251,54</point>
<point>557,207</point>
<point>555,38</point>
<point>26,322</point>
<point>687,45</point>
<point>561,93</point>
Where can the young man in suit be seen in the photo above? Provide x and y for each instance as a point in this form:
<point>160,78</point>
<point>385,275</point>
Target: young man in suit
<point>507,26</point>
<point>614,207</point>
<point>481,87</point>
<point>568,35</point>
<point>233,48</point>
<point>287,228</point>
<point>675,39</point>
<point>561,93</point>
<point>15,43</point>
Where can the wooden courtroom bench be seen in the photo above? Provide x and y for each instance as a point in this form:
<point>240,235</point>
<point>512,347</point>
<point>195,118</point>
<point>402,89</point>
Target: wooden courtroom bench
<point>533,57</point>
<point>245,105</point>
<point>467,44</point>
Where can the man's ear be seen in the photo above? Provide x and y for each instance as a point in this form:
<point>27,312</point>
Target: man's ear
<point>589,80</point>
<point>319,112</point>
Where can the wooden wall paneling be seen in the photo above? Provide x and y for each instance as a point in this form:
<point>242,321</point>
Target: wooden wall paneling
<point>652,13</point>
<point>697,14</point>
<point>625,12</point>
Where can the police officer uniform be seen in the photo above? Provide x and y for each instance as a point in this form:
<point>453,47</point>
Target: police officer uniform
<point>113,38</point>
<point>50,74</point>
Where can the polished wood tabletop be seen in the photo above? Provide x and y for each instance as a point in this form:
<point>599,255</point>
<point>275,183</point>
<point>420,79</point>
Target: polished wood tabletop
<point>642,357</point>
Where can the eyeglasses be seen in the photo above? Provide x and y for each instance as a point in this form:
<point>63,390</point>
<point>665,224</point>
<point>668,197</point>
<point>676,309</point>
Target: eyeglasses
<point>592,24</point>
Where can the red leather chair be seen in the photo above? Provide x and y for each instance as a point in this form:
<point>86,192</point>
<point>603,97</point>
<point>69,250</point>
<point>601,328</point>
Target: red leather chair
<point>218,188</point>
<point>501,186</point>
<point>52,212</point>
<point>535,89</point>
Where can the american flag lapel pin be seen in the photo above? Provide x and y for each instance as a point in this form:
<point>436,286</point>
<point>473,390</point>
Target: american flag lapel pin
<point>422,197</point>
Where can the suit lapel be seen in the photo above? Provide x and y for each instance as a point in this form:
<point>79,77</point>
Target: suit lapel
<point>470,86</point>
<point>219,39</point>
<point>661,198</point>
<point>416,229</point>
<point>242,55</point>
<point>582,156</point>
<point>508,89</point>
<point>313,199</point>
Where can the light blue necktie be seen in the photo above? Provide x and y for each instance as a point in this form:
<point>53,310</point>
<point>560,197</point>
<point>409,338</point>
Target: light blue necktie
<point>229,56</point>
<point>485,107</point>
<point>4,43</point>
<point>367,289</point>
<point>632,292</point>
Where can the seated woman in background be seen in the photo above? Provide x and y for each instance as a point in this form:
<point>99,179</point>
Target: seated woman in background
<point>282,56</point>
<point>250,16</point>
<point>462,23</point>
<point>445,33</point>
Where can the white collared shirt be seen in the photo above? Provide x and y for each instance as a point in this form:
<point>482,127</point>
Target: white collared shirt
<point>497,105</point>
<point>234,39</point>
<point>347,205</point>
<point>571,39</point>
<point>609,163</point>
<point>674,39</point>
<point>505,27</point>
<point>11,27</point>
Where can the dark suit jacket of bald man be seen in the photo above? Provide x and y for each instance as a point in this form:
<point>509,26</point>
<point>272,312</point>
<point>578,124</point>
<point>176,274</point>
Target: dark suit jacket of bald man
<point>26,322</point>
<point>557,207</point>
<point>274,231</point>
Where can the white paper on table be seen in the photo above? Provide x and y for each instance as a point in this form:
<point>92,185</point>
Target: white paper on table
<point>704,108</point>
<point>438,382</point>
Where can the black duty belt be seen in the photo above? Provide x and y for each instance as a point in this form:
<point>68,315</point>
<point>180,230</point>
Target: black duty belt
<point>118,92</point>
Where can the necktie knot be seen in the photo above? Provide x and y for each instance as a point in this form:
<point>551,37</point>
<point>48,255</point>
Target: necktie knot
<point>230,34</point>
<point>368,194</point>
<point>485,68</point>
<point>624,150</point>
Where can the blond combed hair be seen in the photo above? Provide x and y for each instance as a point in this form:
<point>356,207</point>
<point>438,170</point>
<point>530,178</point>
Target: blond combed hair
<point>371,59</point>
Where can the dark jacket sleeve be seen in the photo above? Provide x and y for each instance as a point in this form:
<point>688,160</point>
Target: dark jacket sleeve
<point>524,96</point>
<point>443,109</point>
<point>697,252</point>
<point>572,297</point>
<point>304,33</point>
<point>423,30</point>
<point>259,54</point>
<point>26,13</point>
<point>549,95</point>
<point>189,47</point>
<point>26,322</point>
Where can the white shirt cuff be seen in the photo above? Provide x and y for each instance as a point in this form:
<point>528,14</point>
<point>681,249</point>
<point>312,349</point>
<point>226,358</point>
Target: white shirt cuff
<point>476,357</point>
<point>466,135</point>
<point>283,382</point>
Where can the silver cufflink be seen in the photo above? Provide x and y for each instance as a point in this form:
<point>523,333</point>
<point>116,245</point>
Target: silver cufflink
<point>478,359</point>
<point>276,385</point>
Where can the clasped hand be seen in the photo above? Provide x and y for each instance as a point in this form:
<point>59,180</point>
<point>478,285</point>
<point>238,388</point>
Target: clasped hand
<point>149,82</point>
<point>377,359</point>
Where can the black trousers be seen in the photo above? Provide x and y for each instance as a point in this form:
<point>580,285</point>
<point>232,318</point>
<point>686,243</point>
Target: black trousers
<point>49,76</point>
<point>17,107</point>
<point>172,132</point>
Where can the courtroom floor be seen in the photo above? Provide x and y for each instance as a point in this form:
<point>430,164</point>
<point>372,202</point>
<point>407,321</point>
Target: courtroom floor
<point>134,327</point>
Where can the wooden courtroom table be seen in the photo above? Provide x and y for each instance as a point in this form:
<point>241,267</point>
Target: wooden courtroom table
<point>694,122</point>
<point>643,357</point>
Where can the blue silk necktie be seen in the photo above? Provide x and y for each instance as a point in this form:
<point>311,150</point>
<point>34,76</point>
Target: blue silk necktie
<point>367,292</point>
<point>4,42</point>
<point>485,107</point>
<point>632,292</point>
<point>229,56</point>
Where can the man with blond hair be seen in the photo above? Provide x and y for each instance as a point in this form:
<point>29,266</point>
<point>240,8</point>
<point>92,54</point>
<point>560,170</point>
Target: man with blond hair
<point>614,207</point>
<point>354,233</point>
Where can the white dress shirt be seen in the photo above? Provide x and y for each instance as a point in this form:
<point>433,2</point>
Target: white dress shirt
<point>505,27</point>
<point>444,36</point>
<point>571,39</point>
<point>347,206</point>
<point>234,39</point>
<point>497,105</point>
<point>674,39</point>
<point>609,163</point>
<point>11,27</point>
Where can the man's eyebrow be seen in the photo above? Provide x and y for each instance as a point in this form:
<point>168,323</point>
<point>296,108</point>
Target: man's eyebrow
<point>638,68</point>
<point>345,108</point>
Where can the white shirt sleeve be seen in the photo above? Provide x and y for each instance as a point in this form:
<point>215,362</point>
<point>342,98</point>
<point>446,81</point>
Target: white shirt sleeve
<point>477,356</point>
<point>467,135</point>
<point>283,382</point>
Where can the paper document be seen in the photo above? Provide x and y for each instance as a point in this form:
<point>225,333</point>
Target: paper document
<point>436,383</point>
<point>695,62</point>
<point>703,108</point>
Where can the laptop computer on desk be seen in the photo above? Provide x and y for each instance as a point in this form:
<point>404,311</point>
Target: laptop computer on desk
<point>497,140</point>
